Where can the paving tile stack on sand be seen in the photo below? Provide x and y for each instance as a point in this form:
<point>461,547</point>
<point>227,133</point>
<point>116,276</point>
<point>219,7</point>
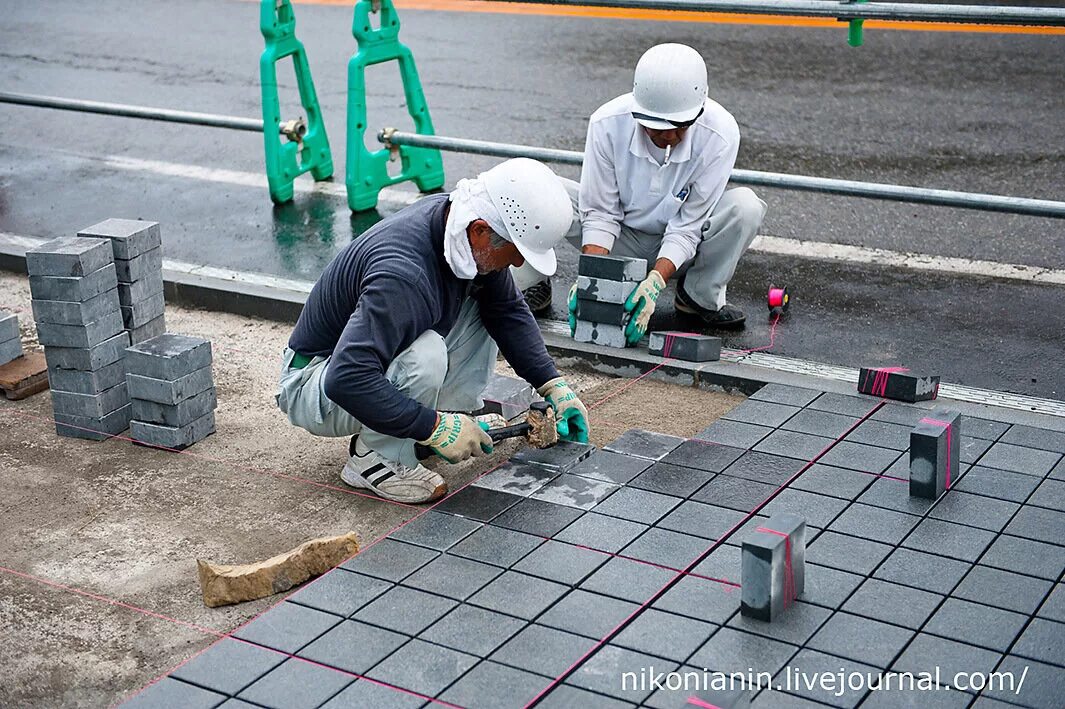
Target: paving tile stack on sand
<point>10,344</point>
<point>79,322</point>
<point>172,391</point>
<point>604,283</point>
<point>137,248</point>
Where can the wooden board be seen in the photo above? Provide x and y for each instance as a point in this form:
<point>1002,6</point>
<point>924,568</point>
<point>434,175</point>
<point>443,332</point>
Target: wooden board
<point>24,376</point>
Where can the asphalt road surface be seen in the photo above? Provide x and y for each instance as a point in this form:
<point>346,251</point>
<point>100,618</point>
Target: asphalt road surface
<point>973,111</point>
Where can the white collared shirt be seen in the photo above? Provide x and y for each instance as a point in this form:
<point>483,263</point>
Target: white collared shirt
<point>622,182</point>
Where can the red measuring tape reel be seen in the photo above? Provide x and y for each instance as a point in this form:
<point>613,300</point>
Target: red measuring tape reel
<point>778,299</point>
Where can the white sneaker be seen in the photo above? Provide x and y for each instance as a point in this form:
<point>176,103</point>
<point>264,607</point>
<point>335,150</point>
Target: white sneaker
<point>366,469</point>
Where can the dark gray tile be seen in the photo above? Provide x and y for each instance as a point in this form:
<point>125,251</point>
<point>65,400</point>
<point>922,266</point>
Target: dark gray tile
<point>169,692</point>
<point>665,635</point>
<point>365,693</point>
<point>1000,484</point>
<point>670,549</point>
<point>536,517</point>
<point>516,478</point>
<point>858,456</point>
<point>544,650</point>
<point>813,663</point>
<point>477,503</point>
<point>353,646</point>
<point>477,631</point>
<point>1019,459</point>
<point>389,560</point>
<point>702,455</point>
<point>1058,473</point>
<point>601,532</point>
<point>737,696</point>
<point>735,493</point>
<point>921,570</point>
<point>287,627</point>
<point>566,697</point>
<point>405,610</point>
<point>435,530</point>
<point>893,603</point>
<point>1042,683</point>
<point>828,587</point>
<point>779,700</point>
<point>883,434</point>
<point>340,592</point>
<point>817,510</point>
<point>796,625</point>
<point>792,444</point>
<point>422,667</point>
<point>976,624</point>
<point>602,672</point>
<point>701,599</point>
<point>561,457</point>
<point>984,428</point>
<point>1039,524</point>
<point>637,505</point>
<point>901,695</point>
<point>452,576</point>
<point>861,639</point>
<point>949,539</point>
<point>974,510</point>
<point>734,433</point>
<point>764,467</point>
<point>228,666</point>
<point>820,423</point>
<point>949,656</point>
<point>876,523</point>
<point>1003,589</point>
<point>496,546</point>
<point>894,494</point>
<point>904,414</point>
<point>701,520</point>
<point>1043,640</point>
<point>519,595</point>
<point>1051,494</point>
<point>296,684</point>
<point>846,404</point>
<point>628,580</point>
<point>1054,607</point>
<point>494,686</point>
<point>972,449</point>
<point>611,467</point>
<point>574,491</point>
<point>588,614</point>
<point>670,479</point>
<point>761,412</point>
<point>731,650</point>
<point>723,564</point>
<point>644,444</point>
<point>859,556</point>
<point>561,562</point>
<point>1033,437</point>
<point>785,394</point>
<point>830,480</point>
<point>1025,556</point>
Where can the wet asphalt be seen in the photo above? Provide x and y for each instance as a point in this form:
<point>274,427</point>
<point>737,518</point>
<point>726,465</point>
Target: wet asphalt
<point>967,111</point>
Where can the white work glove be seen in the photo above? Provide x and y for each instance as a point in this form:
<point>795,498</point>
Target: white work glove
<point>458,437</point>
<point>571,302</point>
<point>641,303</point>
<point>570,414</point>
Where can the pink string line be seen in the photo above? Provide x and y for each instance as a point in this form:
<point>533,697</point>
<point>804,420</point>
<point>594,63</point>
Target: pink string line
<point>789,578</point>
<point>948,426</point>
<point>700,703</point>
<point>880,379</point>
<point>772,338</point>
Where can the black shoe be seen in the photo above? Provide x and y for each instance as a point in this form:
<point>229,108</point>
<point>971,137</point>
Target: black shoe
<point>728,317</point>
<point>538,297</point>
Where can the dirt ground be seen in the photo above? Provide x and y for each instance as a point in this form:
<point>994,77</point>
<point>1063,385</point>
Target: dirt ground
<point>124,524</point>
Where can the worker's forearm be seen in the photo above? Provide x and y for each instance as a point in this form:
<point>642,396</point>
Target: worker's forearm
<point>665,268</point>
<point>594,250</point>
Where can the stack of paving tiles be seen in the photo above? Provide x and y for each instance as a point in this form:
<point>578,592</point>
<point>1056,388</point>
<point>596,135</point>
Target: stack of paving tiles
<point>139,267</point>
<point>172,391</point>
<point>10,344</point>
<point>75,303</point>
<point>604,283</point>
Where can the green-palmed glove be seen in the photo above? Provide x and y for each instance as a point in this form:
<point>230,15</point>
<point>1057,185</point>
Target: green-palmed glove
<point>573,310</point>
<point>641,303</point>
<point>570,413</point>
<point>458,437</point>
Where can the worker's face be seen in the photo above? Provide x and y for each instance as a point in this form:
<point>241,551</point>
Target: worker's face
<point>664,138</point>
<point>491,259</point>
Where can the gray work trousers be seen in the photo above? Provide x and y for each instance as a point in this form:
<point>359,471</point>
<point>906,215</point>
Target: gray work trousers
<point>726,234</point>
<point>444,373</point>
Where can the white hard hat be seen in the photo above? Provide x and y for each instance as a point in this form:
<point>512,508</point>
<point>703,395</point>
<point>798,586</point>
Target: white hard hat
<point>669,86</point>
<point>535,206</point>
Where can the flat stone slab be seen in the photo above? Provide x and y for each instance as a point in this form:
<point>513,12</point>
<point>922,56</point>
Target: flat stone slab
<point>129,237</point>
<point>68,256</point>
<point>174,438</point>
<point>168,356</point>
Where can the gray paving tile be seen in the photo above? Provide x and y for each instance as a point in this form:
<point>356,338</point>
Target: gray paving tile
<point>575,491</point>
<point>763,413</point>
<point>566,697</point>
<point>734,433</point>
<point>666,548</point>
<point>365,693</point>
<point>1003,589</point>
<point>732,650</point>
<point>974,510</point>
<point>723,563</point>
<point>494,686</point>
<point>669,699</point>
<point>894,495</point>
<point>1019,459</point>
<point>876,523</point>
<point>847,404</point>
<point>859,556</point>
<point>950,656</point>
<point>644,444</point>
<point>701,599</point>
<point>1033,437</point>
<point>922,570</point>
<point>515,478</point>
<point>1025,556</point>
<point>671,480</point>
<point>588,614</point>
<point>769,699</point>
<point>435,530</point>
<point>883,434</point>
<point>764,467</point>
<point>542,519</point>
<point>477,503</point>
<point>949,539</point>
<point>637,505</point>
<point>858,456</point>
<point>701,520</point>
<point>861,639</point>
<point>405,610</point>
<point>561,457</point>
<point>820,423</point>
<point>972,449</point>
<point>543,650</point>
<point>519,595</point>
<point>792,444</point>
<point>702,455</point>
<point>452,576</point>
<point>296,685</point>
<point>496,546</point>
<point>893,603</point>
<point>976,624</point>
<point>830,480</point>
<point>389,560</point>
<point>602,672</point>
<point>1042,683</point>
<point>812,662</point>
<point>561,562</point>
<point>228,666</point>
<point>422,667</point>
<point>1039,524</point>
<point>735,493</point>
<point>477,631</point>
<point>1043,640</point>
<point>1058,473</point>
<point>628,580</point>
<point>828,587</point>
<point>340,592</point>
<point>169,692</point>
<point>1054,607</point>
<point>785,394</point>
<point>984,428</point>
<point>797,625</point>
<point>664,635</point>
<point>905,414</point>
<point>1050,494</point>
<point>611,467</point>
<point>818,510</point>
<point>894,696</point>
<point>601,532</point>
<point>1001,484</point>
<point>353,646</point>
<point>287,627</point>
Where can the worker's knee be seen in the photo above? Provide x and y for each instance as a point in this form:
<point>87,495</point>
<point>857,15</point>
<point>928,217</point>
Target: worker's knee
<point>422,366</point>
<point>745,206</point>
